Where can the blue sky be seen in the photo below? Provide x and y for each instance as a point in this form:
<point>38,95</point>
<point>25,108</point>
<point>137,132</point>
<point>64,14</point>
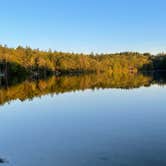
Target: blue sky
<point>85,25</point>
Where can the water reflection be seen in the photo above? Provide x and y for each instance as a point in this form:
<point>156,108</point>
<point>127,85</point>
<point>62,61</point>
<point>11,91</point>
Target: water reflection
<point>21,88</point>
<point>102,127</point>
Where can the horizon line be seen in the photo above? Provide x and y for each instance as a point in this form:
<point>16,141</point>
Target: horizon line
<point>79,52</point>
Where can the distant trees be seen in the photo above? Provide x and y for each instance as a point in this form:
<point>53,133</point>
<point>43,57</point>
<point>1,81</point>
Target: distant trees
<point>159,62</point>
<point>34,60</point>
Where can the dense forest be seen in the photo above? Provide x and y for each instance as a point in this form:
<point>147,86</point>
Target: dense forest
<point>34,61</point>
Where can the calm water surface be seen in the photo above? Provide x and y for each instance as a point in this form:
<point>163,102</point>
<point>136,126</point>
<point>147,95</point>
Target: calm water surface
<point>101,127</point>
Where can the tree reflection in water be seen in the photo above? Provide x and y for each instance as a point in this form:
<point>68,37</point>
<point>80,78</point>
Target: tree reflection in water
<point>22,89</point>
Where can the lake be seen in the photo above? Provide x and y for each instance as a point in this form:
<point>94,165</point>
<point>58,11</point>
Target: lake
<point>91,120</point>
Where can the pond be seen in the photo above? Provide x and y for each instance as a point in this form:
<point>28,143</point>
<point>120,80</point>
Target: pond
<point>91,120</point>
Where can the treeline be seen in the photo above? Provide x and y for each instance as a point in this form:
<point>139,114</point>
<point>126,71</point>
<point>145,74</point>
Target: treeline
<point>26,60</point>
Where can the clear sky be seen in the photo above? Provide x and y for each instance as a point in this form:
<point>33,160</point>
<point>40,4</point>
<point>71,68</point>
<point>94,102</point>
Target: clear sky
<point>85,25</point>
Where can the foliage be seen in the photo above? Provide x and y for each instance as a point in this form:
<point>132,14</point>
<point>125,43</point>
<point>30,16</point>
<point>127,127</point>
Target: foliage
<point>37,61</point>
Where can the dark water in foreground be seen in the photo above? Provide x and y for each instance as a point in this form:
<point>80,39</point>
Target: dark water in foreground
<point>115,121</point>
